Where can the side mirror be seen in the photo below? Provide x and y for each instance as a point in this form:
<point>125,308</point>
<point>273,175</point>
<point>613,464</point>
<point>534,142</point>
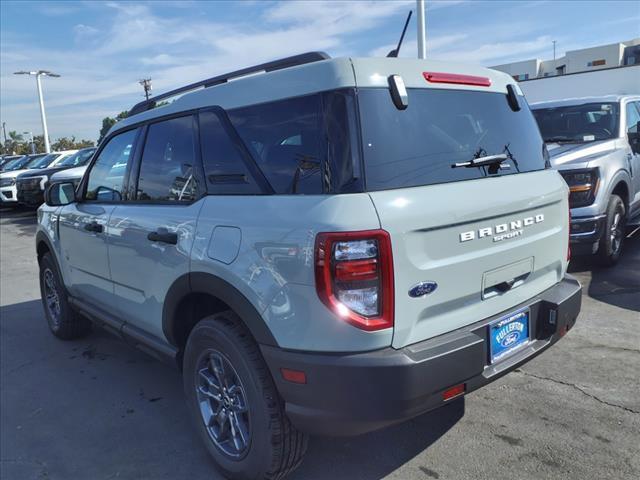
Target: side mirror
<point>60,194</point>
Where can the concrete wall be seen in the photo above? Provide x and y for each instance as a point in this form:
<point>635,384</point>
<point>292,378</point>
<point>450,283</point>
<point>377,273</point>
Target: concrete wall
<point>623,80</point>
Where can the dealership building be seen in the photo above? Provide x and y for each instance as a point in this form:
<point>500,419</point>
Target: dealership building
<point>574,61</point>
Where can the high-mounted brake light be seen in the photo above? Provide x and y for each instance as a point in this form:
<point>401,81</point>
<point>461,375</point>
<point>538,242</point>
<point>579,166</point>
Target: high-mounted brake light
<point>354,277</point>
<point>439,77</point>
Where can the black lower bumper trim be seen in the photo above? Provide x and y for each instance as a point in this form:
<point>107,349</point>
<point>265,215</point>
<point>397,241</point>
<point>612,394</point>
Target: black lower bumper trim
<point>350,394</point>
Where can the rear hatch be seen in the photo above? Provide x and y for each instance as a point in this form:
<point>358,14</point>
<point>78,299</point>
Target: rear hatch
<point>479,239</point>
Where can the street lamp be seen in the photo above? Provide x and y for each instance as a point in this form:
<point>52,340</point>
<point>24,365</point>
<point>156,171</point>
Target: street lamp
<point>33,145</point>
<point>38,74</point>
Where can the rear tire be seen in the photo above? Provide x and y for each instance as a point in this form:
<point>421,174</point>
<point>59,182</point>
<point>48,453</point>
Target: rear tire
<point>64,322</point>
<point>613,235</point>
<point>234,402</point>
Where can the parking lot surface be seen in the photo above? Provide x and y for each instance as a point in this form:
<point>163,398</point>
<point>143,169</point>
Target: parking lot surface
<point>98,409</point>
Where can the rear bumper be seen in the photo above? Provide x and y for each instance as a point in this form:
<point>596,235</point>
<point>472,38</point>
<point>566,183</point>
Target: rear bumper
<point>350,394</point>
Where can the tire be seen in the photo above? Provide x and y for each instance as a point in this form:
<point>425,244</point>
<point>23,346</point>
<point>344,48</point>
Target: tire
<point>64,322</point>
<point>613,235</point>
<point>265,445</point>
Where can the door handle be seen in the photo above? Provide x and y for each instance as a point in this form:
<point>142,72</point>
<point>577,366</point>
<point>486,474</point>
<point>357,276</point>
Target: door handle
<point>162,235</point>
<point>93,227</point>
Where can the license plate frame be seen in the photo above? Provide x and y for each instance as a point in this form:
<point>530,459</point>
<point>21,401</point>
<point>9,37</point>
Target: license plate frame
<point>505,339</point>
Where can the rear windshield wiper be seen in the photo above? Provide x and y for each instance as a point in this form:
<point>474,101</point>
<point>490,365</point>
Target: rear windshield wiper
<point>483,161</point>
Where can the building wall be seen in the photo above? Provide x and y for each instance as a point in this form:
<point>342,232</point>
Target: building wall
<point>521,70</point>
<point>595,58</point>
<point>574,61</point>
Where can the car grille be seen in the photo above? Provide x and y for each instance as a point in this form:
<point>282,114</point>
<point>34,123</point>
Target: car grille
<point>29,184</point>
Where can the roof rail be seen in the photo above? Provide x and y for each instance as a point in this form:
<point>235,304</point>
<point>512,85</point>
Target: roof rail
<point>283,63</point>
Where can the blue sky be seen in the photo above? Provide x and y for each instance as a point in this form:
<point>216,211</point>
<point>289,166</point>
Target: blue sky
<point>102,49</point>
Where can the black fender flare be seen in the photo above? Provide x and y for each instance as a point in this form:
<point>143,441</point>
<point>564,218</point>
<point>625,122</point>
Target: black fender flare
<point>201,282</point>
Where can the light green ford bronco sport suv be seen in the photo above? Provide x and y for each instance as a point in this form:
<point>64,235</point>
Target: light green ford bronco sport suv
<point>323,246</point>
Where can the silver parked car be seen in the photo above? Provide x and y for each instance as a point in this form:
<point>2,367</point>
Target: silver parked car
<point>595,143</point>
<point>323,246</point>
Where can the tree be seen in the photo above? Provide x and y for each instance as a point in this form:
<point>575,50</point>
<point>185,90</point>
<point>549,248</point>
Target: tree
<point>65,143</point>
<point>109,122</point>
<point>13,143</point>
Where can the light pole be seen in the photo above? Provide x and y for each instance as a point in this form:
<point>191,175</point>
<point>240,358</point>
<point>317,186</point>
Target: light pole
<point>422,30</point>
<point>38,74</point>
<point>33,145</point>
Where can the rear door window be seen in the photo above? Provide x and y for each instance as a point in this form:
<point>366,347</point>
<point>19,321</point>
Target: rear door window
<point>419,145</point>
<point>225,168</point>
<point>168,161</point>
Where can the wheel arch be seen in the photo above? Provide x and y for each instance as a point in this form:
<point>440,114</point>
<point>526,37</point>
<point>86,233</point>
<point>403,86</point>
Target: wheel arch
<point>198,294</point>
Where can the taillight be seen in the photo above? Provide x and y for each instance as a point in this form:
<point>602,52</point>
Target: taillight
<point>354,277</point>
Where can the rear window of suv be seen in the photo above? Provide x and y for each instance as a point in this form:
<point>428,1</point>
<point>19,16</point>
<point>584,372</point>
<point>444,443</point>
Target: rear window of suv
<point>419,145</point>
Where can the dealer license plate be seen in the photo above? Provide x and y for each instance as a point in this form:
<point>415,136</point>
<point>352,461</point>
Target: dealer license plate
<point>508,334</point>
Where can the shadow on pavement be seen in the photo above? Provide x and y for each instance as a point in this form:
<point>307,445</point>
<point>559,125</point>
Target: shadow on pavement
<point>376,455</point>
<point>618,285</point>
<point>23,219</point>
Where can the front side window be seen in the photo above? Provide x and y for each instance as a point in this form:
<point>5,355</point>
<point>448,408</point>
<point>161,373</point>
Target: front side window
<point>168,162</point>
<point>439,129</point>
<point>633,117</point>
<point>106,178</point>
<point>578,123</point>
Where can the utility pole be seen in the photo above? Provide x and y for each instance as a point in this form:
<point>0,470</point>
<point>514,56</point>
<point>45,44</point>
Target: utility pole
<point>4,131</point>
<point>43,117</point>
<point>146,84</point>
<point>554,50</point>
<point>422,29</point>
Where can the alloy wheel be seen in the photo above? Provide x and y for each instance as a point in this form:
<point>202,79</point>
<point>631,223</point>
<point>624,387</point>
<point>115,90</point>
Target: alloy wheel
<point>52,297</point>
<point>616,232</point>
<point>223,406</point>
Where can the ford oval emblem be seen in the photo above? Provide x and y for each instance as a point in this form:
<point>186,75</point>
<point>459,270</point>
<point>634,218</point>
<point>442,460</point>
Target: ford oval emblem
<point>422,289</point>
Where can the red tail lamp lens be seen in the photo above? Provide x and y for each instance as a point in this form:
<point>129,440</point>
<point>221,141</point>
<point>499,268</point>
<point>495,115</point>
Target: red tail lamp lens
<point>354,277</point>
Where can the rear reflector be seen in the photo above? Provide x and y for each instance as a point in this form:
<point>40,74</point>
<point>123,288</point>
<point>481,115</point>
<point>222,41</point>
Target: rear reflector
<point>453,392</point>
<point>438,77</point>
<point>294,376</point>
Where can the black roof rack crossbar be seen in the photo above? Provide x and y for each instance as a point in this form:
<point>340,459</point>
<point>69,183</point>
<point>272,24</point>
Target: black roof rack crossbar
<point>287,62</point>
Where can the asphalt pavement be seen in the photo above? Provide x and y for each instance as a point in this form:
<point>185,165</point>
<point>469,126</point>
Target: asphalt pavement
<point>98,409</point>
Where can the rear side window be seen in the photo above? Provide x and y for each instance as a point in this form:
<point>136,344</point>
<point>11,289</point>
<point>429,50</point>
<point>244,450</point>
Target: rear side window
<point>168,162</point>
<point>285,138</point>
<point>419,145</point>
<point>225,168</point>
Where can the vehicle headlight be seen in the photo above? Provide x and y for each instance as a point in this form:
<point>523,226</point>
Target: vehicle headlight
<point>583,186</point>
<point>43,182</point>
<point>7,182</point>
